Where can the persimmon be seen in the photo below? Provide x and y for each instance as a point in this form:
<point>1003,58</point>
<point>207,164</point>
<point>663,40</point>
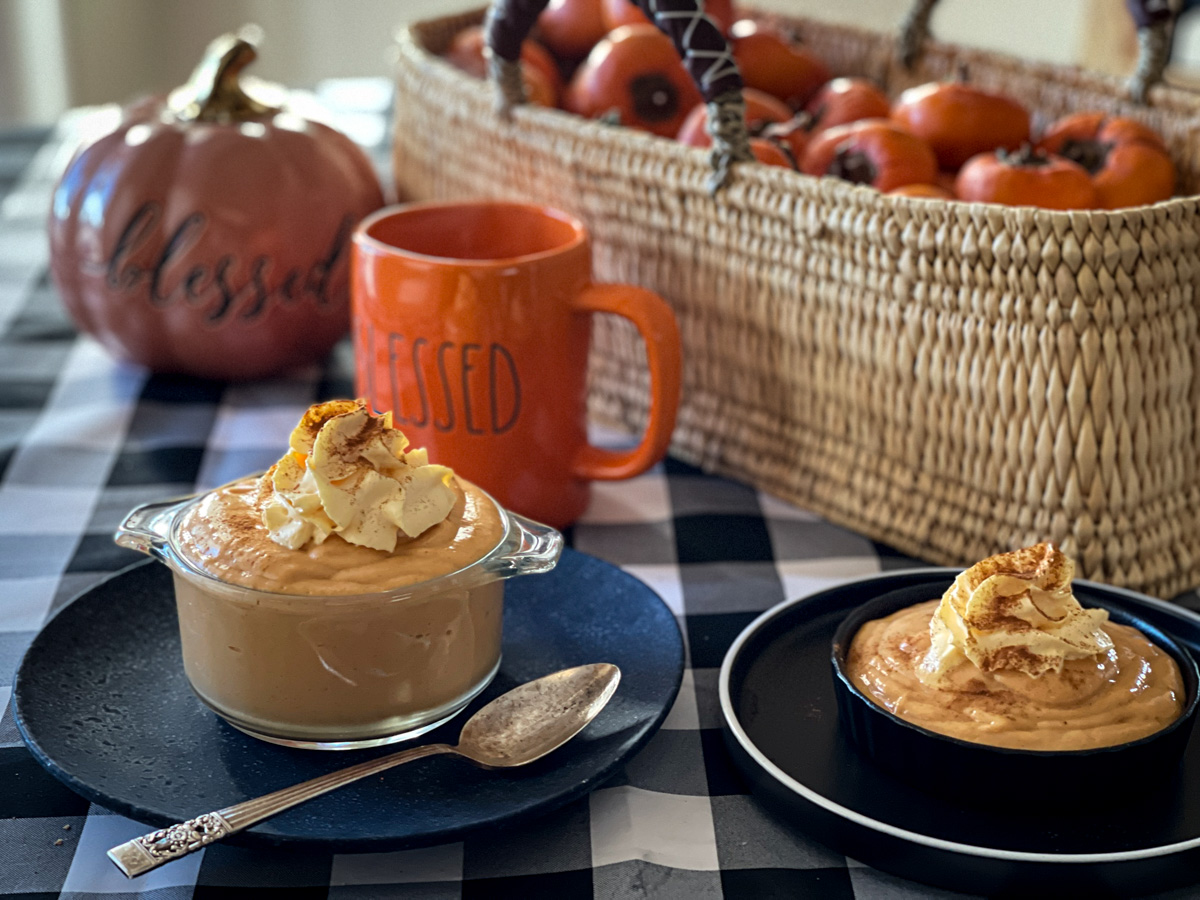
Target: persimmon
<point>1127,160</point>
<point>538,88</point>
<point>771,63</point>
<point>845,100</point>
<point>959,120</point>
<point>636,73</point>
<point>466,52</point>
<point>871,151</point>
<point>1026,178</point>
<point>625,12</point>
<point>772,153</point>
<point>571,28</point>
<point>534,55</point>
<point>926,191</point>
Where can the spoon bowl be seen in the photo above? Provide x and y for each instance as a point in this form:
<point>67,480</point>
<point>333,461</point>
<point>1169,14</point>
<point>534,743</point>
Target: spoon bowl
<point>516,728</point>
<point>539,716</point>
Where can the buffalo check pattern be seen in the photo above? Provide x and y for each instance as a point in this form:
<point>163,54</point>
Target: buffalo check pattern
<point>83,439</point>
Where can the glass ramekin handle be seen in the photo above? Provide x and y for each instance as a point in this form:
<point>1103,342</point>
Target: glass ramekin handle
<point>535,548</point>
<point>147,529</point>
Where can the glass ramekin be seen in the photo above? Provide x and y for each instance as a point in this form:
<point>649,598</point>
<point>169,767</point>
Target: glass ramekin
<point>341,672</point>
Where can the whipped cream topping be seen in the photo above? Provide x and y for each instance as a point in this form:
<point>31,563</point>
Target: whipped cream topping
<point>1013,612</point>
<point>350,473</point>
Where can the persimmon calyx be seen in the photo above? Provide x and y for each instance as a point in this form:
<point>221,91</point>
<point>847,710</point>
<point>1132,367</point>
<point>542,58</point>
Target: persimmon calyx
<point>655,98</point>
<point>853,166</point>
<point>1089,153</point>
<point>1025,156</point>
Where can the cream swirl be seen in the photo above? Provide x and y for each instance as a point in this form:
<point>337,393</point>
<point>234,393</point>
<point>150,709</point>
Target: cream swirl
<point>1013,612</point>
<point>351,473</point>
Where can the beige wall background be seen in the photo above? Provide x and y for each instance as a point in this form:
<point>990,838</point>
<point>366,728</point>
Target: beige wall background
<point>60,53</point>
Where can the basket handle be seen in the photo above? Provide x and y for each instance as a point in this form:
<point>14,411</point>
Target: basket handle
<point>703,48</point>
<point>914,31</point>
<point>1155,21</point>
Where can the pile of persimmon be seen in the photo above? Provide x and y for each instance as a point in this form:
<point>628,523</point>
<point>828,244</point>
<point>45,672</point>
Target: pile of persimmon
<point>947,140</point>
<point>986,153</point>
<point>604,59</point>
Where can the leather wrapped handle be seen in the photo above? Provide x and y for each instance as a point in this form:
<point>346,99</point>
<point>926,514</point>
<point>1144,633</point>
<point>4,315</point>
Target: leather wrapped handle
<point>1155,21</point>
<point>914,31</point>
<point>703,48</point>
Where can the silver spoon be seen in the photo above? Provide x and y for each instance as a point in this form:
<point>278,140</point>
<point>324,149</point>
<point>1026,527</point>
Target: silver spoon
<point>514,729</point>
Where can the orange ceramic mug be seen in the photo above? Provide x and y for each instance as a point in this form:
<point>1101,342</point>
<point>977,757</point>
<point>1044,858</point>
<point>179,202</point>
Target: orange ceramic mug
<point>472,322</point>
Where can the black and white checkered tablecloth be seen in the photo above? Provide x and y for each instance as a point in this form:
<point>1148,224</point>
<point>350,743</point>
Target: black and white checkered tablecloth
<point>83,439</point>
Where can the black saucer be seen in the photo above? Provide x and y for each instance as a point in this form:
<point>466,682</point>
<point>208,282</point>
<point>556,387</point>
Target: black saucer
<point>102,702</point>
<point>781,726</point>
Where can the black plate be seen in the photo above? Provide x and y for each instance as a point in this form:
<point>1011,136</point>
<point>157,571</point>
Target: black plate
<point>777,699</point>
<point>102,702</point>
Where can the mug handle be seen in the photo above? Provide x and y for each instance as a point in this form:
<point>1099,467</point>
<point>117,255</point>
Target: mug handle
<point>655,321</point>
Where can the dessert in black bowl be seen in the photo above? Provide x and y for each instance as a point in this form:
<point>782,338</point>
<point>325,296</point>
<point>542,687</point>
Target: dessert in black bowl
<point>1006,680</point>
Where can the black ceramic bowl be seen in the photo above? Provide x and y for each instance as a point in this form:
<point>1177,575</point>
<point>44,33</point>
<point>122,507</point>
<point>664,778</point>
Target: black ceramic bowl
<point>933,761</point>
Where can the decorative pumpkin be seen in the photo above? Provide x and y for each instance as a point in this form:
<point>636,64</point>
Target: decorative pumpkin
<point>208,232</point>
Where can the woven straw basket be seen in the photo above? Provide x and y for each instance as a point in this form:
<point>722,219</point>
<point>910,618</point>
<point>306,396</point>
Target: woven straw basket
<point>952,379</point>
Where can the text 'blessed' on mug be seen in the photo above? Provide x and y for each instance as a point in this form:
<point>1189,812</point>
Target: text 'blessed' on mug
<point>462,374</point>
<point>472,322</point>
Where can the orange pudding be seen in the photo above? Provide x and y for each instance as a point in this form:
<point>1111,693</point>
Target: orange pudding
<point>352,595</point>
<point>1008,657</point>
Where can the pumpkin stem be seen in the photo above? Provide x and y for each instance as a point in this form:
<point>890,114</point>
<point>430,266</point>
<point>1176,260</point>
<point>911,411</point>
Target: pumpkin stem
<point>214,93</point>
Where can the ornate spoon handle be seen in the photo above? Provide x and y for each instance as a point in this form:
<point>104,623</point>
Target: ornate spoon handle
<point>152,850</point>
